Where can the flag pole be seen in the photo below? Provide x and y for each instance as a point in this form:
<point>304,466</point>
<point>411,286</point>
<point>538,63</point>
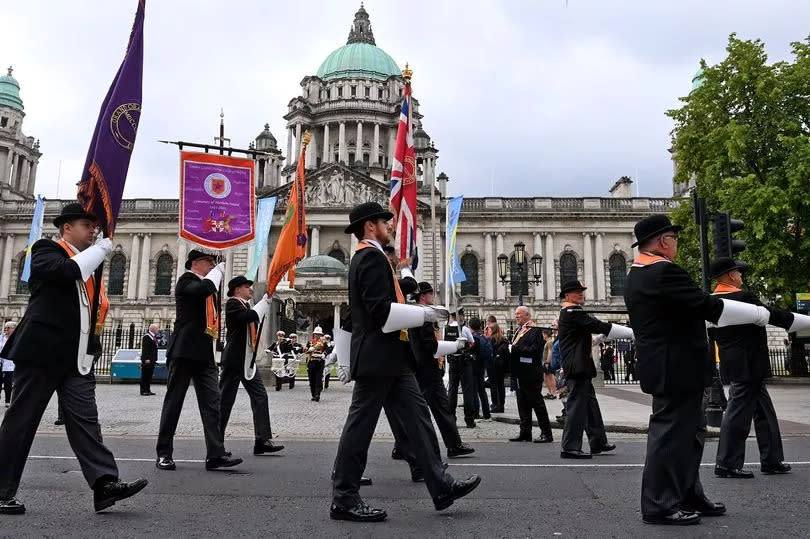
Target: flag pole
<point>220,257</point>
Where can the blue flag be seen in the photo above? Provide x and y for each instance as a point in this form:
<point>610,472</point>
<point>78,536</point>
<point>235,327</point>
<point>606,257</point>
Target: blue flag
<point>454,272</point>
<point>264,219</point>
<point>33,236</point>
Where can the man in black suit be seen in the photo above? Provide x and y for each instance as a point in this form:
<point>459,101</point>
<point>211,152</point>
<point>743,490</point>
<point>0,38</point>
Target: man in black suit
<point>383,369</point>
<point>242,322</point>
<point>668,313</point>
<point>149,357</point>
<point>526,359</point>
<point>190,356</point>
<point>745,363</point>
<point>48,350</point>
<point>575,330</point>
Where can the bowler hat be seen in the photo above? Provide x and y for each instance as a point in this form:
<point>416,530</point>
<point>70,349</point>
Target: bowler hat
<point>570,286</point>
<point>423,287</point>
<point>363,212</point>
<point>72,212</point>
<point>194,254</point>
<point>237,281</point>
<point>459,310</point>
<point>724,265</point>
<point>652,226</point>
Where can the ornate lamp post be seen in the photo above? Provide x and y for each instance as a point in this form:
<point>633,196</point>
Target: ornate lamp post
<point>520,260</point>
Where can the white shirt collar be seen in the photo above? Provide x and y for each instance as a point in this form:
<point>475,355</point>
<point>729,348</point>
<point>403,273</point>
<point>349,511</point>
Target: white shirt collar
<point>375,243</point>
<point>72,247</point>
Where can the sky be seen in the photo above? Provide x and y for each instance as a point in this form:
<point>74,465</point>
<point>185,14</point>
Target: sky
<point>522,98</point>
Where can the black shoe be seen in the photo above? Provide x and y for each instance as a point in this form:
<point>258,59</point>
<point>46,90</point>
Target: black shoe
<point>11,507</point>
<point>221,462</point>
<point>602,449</point>
<point>470,423</point>
<point>265,446</point>
<point>417,476</point>
<point>561,419</point>
<point>574,455</point>
<point>151,393</point>
<point>550,397</point>
<point>496,410</point>
<point>679,518</point>
<point>146,394</point>
<point>779,468</point>
<point>396,454</point>
<point>544,439</point>
<point>359,513</point>
<point>365,481</point>
<point>165,463</point>
<point>461,449</point>
<point>110,492</point>
<point>521,438</point>
<point>458,490</point>
<point>59,421</point>
<point>704,507</point>
<point>736,473</point>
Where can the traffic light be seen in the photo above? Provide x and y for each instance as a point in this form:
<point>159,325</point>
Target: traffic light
<point>724,227</point>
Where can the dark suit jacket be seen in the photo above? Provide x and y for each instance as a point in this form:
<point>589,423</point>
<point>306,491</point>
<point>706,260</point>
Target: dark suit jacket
<point>668,312</point>
<point>575,329</point>
<point>530,345</point>
<point>423,345</point>
<point>237,317</point>
<point>189,340</point>
<point>149,349</point>
<point>371,293</point>
<point>48,334</point>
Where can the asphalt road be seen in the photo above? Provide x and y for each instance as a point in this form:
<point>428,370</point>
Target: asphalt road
<point>527,491</point>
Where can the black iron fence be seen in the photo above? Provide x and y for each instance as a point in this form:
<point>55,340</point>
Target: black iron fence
<point>120,335</point>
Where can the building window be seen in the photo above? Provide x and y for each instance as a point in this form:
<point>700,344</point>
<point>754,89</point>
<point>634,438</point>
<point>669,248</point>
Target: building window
<point>338,254</point>
<point>368,91</point>
<point>366,159</point>
<point>469,264</point>
<point>354,91</point>
<point>379,93</point>
<point>163,275</point>
<point>351,158</point>
<point>3,122</point>
<point>328,93</point>
<point>618,274</point>
<point>519,281</point>
<point>568,268</point>
<point>340,91</point>
<point>22,286</point>
<point>115,282</point>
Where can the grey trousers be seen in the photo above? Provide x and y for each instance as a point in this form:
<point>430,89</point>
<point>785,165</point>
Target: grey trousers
<point>228,385</point>
<point>746,402</point>
<point>33,389</point>
<point>405,402</point>
<point>582,414</point>
<point>204,375</point>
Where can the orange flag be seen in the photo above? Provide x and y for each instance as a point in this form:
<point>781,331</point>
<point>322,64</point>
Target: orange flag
<point>292,242</point>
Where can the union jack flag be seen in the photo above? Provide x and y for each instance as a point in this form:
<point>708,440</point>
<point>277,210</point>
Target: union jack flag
<point>403,183</point>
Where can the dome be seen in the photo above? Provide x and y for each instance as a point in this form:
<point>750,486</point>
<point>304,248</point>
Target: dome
<point>265,139</point>
<point>10,92</point>
<point>698,79</point>
<point>321,264</point>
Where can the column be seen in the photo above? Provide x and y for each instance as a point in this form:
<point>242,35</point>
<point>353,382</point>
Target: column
<point>181,258</point>
<point>635,249</point>
<point>228,268</point>
<point>499,250</point>
<point>587,256</point>
<point>538,250</point>
<point>392,142</point>
<point>375,147</point>
<point>336,315</point>
<point>489,272</point>
<point>297,141</point>
<point>420,248</point>
<point>26,174</point>
<point>146,255</point>
<point>342,153</point>
<point>312,151</point>
<point>9,163</point>
<point>315,241</point>
<point>358,152</point>
<point>134,254</point>
<point>5,277</point>
<point>600,268</point>
<point>33,179</point>
<point>290,159</point>
<point>551,275</point>
<point>326,146</point>
<point>353,244</point>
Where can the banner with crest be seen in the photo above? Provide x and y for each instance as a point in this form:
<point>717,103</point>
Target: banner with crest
<point>216,200</point>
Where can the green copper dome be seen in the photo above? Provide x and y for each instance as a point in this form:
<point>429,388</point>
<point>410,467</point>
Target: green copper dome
<point>321,264</point>
<point>698,79</point>
<point>10,92</point>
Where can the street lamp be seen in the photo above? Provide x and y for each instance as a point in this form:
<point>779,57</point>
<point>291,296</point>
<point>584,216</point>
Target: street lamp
<point>520,260</point>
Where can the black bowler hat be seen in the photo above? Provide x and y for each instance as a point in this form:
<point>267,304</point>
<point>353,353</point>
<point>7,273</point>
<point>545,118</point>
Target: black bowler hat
<point>194,254</point>
<point>724,265</point>
<point>237,281</point>
<point>72,212</point>
<point>365,211</point>
<point>570,286</point>
<point>460,310</point>
<point>652,226</point>
<point>423,287</point>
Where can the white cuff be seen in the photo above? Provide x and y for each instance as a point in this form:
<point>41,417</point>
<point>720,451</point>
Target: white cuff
<point>445,348</point>
<point>737,313</point>
<point>800,321</point>
<point>261,308</point>
<point>343,342</point>
<point>618,331</point>
<point>215,276</point>
<point>402,316</point>
<point>89,259</point>
<point>406,272</point>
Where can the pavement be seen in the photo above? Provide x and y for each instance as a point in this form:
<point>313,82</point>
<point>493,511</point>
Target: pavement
<point>527,490</point>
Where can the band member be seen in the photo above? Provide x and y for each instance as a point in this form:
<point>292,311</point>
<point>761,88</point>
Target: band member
<point>315,361</point>
<point>190,356</point>
<point>575,328</point>
<point>668,313</point>
<point>745,363</point>
<point>328,352</point>
<point>149,357</point>
<point>380,319</point>
<point>281,345</point>
<point>242,322</point>
<point>295,346</point>
<point>62,289</point>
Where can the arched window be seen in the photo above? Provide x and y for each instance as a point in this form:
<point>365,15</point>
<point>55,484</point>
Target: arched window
<point>469,264</point>
<point>618,274</point>
<point>115,282</point>
<point>22,286</point>
<point>338,254</point>
<point>163,275</point>
<point>568,268</point>
<point>519,283</point>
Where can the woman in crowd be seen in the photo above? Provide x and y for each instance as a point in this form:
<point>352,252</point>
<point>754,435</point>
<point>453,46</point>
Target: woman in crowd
<point>500,352</point>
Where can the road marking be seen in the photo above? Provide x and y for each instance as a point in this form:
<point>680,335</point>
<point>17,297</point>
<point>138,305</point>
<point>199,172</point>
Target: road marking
<point>118,459</point>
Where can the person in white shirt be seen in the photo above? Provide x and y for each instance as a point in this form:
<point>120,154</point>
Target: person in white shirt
<point>6,365</point>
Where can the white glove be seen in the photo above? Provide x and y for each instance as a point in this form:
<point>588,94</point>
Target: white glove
<point>460,344</point>
<point>215,275</point>
<point>344,375</point>
<point>89,259</point>
<point>618,331</point>
<point>402,316</point>
<point>261,307</point>
<point>441,311</point>
<point>737,313</point>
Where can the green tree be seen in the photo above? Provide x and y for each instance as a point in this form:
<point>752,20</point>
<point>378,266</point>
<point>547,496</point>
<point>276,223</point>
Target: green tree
<point>743,136</point>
